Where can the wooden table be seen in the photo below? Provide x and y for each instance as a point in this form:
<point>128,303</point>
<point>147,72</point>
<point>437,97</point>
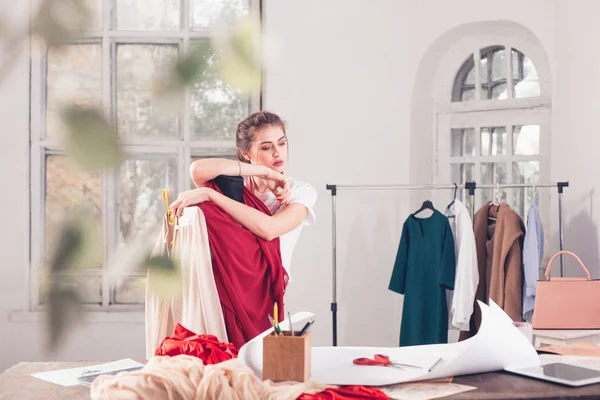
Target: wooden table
<point>16,383</point>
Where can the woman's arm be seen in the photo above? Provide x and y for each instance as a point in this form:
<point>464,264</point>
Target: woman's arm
<point>204,170</point>
<point>265,226</point>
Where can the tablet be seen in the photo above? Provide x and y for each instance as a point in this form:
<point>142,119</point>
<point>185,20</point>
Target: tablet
<point>567,374</point>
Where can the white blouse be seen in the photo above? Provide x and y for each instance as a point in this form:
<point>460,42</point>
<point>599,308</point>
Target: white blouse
<point>301,193</point>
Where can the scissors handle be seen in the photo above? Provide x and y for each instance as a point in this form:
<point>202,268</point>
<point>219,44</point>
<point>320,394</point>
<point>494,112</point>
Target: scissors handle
<point>370,361</point>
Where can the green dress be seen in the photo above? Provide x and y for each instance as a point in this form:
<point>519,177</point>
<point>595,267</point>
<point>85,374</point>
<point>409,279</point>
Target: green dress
<point>424,268</point>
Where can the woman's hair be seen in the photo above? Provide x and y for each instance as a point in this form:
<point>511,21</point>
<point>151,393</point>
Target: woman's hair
<point>250,126</point>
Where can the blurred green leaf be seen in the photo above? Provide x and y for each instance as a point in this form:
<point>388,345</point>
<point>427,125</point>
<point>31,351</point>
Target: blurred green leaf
<point>4,27</point>
<point>64,310</point>
<point>57,20</point>
<point>79,244</point>
<point>185,72</point>
<point>240,54</point>
<point>68,244</point>
<point>164,276</point>
<point>90,140</point>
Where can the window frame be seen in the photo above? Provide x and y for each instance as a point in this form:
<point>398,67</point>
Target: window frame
<point>449,114</point>
<point>470,63</point>
<point>183,148</point>
<point>499,118</point>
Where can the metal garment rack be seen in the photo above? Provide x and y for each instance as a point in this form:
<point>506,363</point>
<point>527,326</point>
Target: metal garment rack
<point>469,186</point>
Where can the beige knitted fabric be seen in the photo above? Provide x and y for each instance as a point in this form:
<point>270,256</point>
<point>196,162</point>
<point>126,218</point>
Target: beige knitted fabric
<point>198,307</point>
<point>185,377</point>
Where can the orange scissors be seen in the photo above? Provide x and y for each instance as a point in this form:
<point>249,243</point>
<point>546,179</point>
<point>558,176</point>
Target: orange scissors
<point>382,360</point>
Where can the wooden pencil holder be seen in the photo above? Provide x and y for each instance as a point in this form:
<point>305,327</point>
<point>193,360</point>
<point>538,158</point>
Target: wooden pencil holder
<point>287,357</point>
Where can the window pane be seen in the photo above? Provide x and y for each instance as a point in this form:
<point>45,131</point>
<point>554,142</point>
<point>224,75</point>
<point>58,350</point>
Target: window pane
<point>470,78</point>
<point>529,84</point>
<point>130,290</point>
<point>206,13</point>
<point>462,173</point>
<point>526,140</point>
<point>467,94</point>
<point>484,93</point>
<point>93,9</point>
<point>74,77</point>
<point>139,112</point>
<point>494,141</point>
<point>498,65</point>
<point>149,14</point>
<point>524,172</point>
<point>483,69</point>
<point>141,205</point>
<point>217,108</point>
<point>499,92</point>
<point>516,66</point>
<point>68,188</point>
<point>88,287</point>
<point>215,152</point>
<point>492,173</point>
<point>229,153</point>
<point>463,142</point>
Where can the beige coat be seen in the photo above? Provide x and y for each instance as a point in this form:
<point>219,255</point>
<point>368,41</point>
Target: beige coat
<point>499,257</point>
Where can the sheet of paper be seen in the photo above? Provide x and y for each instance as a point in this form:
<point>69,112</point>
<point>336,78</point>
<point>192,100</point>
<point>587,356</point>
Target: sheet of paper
<point>497,345</point>
<point>68,377</point>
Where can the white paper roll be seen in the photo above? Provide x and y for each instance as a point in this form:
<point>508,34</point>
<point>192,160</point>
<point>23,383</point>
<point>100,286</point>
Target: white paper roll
<point>526,329</point>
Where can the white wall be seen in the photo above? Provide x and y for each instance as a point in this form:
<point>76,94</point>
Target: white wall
<point>345,83</point>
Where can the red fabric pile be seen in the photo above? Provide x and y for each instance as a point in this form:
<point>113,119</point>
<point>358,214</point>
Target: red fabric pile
<point>206,347</point>
<point>211,351</point>
<point>347,393</point>
<point>248,271</point>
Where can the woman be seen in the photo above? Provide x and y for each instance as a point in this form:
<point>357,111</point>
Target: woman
<point>262,150</point>
<point>251,263</point>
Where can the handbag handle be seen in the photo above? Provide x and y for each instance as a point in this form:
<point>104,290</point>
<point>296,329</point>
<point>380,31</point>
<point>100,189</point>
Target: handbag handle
<point>547,273</point>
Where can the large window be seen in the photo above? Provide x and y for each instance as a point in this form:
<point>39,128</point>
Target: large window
<point>496,129</point>
<point>115,66</point>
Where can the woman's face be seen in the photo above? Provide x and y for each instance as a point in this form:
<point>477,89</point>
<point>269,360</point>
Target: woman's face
<point>270,148</point>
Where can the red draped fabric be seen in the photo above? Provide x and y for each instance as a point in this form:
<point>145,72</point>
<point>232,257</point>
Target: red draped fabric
<point>206,347</point>
<point>248,271</point>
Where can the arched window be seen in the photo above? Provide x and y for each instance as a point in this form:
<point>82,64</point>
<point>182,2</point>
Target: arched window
<point>493,76</point>
<point>494,128</point>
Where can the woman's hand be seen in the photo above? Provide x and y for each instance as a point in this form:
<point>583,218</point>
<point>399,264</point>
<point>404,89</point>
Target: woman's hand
<point>188,198</point>
<point>278,185</point>
<point>282,192</point>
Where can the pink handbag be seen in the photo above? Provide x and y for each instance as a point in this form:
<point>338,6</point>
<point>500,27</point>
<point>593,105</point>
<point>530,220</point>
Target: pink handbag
<point>567,303</point>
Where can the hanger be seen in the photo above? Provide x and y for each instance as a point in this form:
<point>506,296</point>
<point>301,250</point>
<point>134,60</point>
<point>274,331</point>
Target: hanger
<point>427,204</point>
<point>453,200</point>
<point>497,200</point>
<point>170,216</point>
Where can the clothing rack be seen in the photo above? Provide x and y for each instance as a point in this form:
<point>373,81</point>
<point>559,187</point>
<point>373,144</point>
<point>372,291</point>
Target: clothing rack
<point>469,186</point>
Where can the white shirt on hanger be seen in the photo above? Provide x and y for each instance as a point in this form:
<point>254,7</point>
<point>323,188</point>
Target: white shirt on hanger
<point>467,272</point>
